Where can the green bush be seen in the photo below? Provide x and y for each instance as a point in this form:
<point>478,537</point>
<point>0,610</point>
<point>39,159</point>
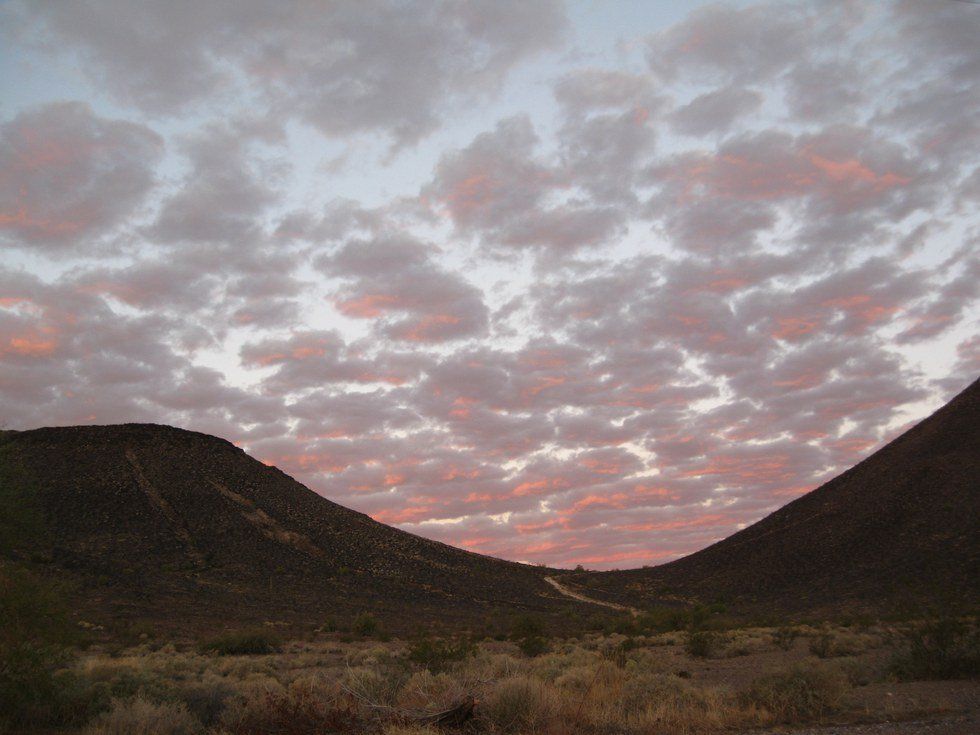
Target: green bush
<point>255,641</point>
<point>526,626</point>
<point>529,633</point>
<point>437,655</point>
<point>940,649</point>
<point>367,626</point>
<point>124,681</point>
<point>533,645</point>
<point>141,717</point>
<point>207,699</point>
<point>666,619</point>
<point>34,639</point>
<point>822,645</point>
<point>784,637</point>
<point>829,644</point>
<point>701,643</point>
<point>803,692</point>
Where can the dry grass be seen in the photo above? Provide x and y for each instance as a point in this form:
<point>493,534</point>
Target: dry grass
<point>597,684</point>
<point>141,717</point>
<point>801,693</point>
<point>830,643</point>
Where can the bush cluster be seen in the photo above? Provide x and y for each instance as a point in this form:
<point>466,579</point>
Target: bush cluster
<point>251,642</point>
<point>945,648</point>
<point>803,692</point>
<point>438,655</point>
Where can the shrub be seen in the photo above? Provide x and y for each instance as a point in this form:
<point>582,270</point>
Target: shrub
<point>666,619</point>
<point>619,653</point>
<point>307,706</point>
<point>859,672</point>
<point>829,644</point>
<point>255,641</point>
<point>701,643</point>
<point>207,699</point>
<point>125,681</point>
<point>141,717</point>
<point>803,692</point>
<point>529,633</point>
<point>940,649</point>
<point>437,655</point>
<point>533,646</point>
<point>784,637</point>
<point>526,626</point>
<point>379,684</point>
<point>33,645</point>
<point>366,625</point>
<point>428,692</point>
<point>519,704</point>
<point>644,689</point>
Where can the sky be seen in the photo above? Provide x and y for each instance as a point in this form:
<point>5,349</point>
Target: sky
<point>591,283</point>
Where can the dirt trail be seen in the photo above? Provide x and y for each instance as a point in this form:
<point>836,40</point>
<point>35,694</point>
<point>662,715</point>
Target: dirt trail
<point>582,598</point>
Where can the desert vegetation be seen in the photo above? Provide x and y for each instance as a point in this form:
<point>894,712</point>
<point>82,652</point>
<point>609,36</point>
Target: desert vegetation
<point>655,673</point>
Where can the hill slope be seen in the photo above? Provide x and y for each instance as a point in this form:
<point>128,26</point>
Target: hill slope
<point>152,522</point>
<point>900,530</point>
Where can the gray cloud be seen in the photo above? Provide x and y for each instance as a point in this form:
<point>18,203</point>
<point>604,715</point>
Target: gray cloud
<point>395,280</point>
<point>715,111</point>
<point>344,67</point>
<point>70,175</point>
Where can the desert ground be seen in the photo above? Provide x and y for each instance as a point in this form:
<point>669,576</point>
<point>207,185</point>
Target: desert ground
<point>625,678</point>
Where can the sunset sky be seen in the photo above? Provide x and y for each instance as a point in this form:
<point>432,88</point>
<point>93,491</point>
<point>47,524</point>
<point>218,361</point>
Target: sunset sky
<point>590,283</point>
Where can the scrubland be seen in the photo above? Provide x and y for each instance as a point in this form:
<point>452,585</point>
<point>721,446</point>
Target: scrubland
<point>701,678</point>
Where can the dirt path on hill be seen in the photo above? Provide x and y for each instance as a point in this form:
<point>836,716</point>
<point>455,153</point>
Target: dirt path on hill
<point>582,598</point>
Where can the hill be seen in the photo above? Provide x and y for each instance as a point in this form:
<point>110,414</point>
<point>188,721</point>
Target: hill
<point>181,529</point>
<point>899,532</point>
<point>184,531</point>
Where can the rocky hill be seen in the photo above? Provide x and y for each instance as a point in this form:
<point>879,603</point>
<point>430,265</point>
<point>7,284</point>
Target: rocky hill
<point>182,529</point>
<point>897,533</point>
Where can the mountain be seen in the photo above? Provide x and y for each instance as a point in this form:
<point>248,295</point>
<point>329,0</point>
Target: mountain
<point>185,530</point>
<point>899,532</point>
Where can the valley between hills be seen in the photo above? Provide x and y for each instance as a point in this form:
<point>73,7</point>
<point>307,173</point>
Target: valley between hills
<point>152,572</point>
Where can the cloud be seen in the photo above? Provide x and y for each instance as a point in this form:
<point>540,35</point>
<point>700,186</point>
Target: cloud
<point>496,188</point>
<point>608,128</point>
<point>731,43</point>
<point>715,111</point>
<point>395,281</point>
<point>344,68</point>
<point>70,175</point>
<point>307,359</point>
<point>222,195</point>
<point>68,358</point>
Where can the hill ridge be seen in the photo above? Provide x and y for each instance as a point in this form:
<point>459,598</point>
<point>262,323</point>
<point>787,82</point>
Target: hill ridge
<point>908,514</point>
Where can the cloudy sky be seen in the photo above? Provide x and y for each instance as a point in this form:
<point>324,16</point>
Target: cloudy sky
<point>577,283</point>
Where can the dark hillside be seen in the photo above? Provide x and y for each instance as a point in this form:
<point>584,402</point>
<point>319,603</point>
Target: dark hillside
<point>898,532</point>
<point>152,522</point>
